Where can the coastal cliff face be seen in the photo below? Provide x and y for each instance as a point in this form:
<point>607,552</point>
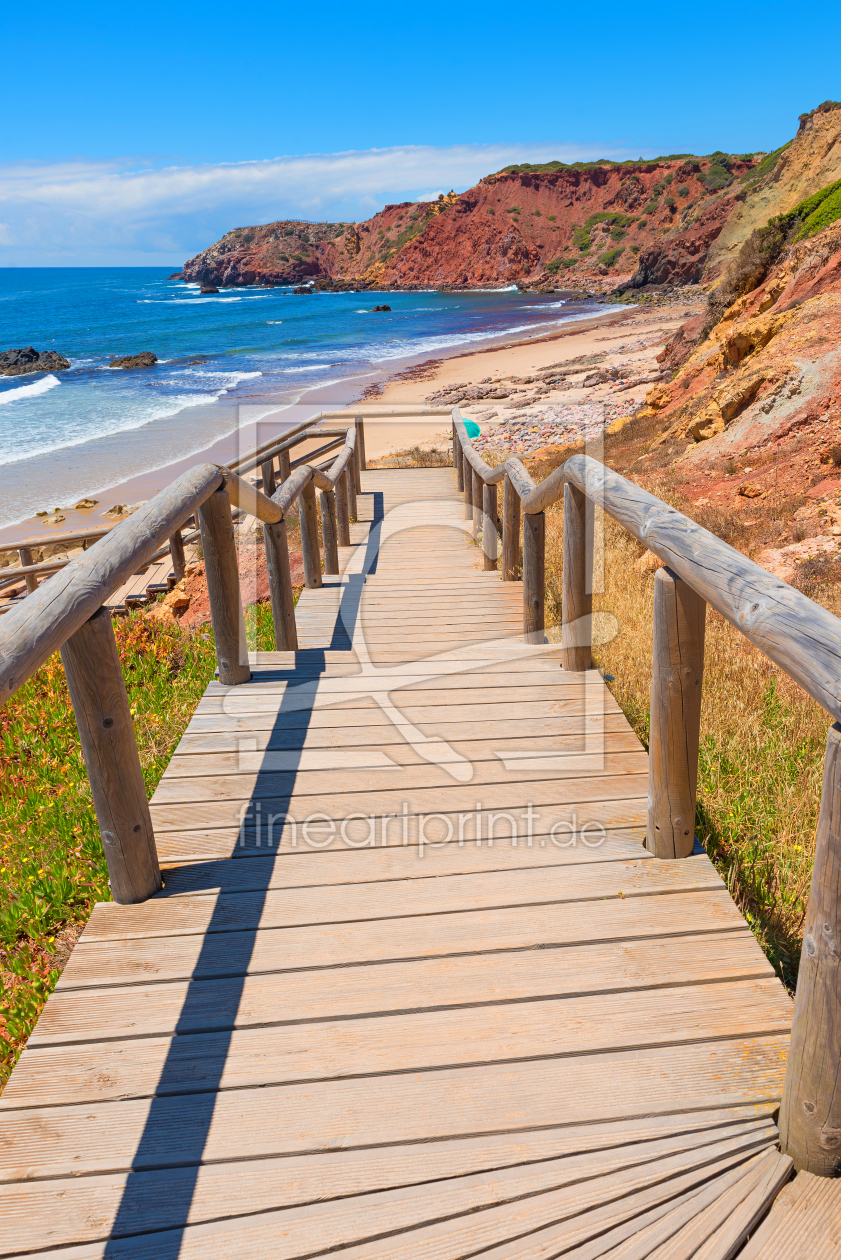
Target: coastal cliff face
<point>535,226</point>
<point>604,225</point>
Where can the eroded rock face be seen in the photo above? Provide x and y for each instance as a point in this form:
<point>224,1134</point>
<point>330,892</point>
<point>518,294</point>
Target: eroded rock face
<point>26,359</point>
<point>769,374</point>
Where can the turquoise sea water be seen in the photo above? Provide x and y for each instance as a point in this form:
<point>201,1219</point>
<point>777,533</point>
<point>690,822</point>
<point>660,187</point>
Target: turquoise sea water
<point>78,432</point>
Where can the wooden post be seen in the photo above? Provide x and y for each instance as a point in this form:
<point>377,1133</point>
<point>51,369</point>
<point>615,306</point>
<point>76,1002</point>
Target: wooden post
<point>534,575</point>
<point>810,1114</point>
<point>176,552</point>
<point>676,680</point>
<point>220,564</point>
<point>510,533</point>
<point>457,459</point>
<point>577,606</point>
<point>25,556</point>
<point>489,527</point>
<point>267,473</point>
<point>352,482</point>
<point>477,504</point>
<point>280,587</point>
<point>342,518</point>
<point>100,703</point>
<point>467,478</point>
<point>328,531</point>
<point>309,536</point>
<point>362,465</point>
<point>283,463</point>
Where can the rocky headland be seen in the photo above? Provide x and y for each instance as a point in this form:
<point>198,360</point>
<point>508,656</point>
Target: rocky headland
<point>600,226</point>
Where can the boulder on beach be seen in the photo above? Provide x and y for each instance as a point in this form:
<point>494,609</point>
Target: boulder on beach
<point>25,359</point>
<point>209,288</point>
<point>144,359</point>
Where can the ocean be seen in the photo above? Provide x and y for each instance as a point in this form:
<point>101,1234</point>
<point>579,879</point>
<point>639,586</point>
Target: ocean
<point>240,353</point>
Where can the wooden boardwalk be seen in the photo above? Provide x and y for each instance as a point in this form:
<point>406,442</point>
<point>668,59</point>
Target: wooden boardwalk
<point>351,1022</point>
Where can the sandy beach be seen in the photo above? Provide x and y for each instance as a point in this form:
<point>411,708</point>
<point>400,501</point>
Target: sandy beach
<point>603,368</point>
<point>534,413</point>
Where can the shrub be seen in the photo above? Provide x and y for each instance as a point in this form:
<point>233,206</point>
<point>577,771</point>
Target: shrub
<point>651,208</point>
<point>554,265</point>
<point>635,249</point>
<point>668,179</point>
<point>537,214</point>
<point>568,262</point>
<point>581,239</point>
<point>671,203</point>
<point>617,233</point>
<point>683,191</point>
<point>285,257</point>
<point>609,258</point>
<point>513,210</point>
<point>491,210</point>
<point>813,214</point>
<point>551,218</point>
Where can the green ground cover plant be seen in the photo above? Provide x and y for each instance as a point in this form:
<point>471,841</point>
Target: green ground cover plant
<point>52,867</point>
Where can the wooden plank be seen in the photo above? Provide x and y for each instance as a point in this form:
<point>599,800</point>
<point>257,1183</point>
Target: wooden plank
<point>803,1224</point>
<point>196,754</point>
<point>345,903</point>
<point>384,1110</point>
<point>77,1015</point>
<point>597,804</point>
<point>293,1232</point>
<point>90,1204</point>
<point>418,1042</point>
<point>625,769</point>
<point>123,961</point>
<point>306,867</point>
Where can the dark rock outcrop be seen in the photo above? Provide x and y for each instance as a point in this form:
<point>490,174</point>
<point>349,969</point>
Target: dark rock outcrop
<point>384,307</point>
<point>303,288</point>
<point>209,288</point>
<point>144,359</point>
<point>26,359</point>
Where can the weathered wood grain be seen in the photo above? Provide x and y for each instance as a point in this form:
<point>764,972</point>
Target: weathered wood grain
<point>400,1107</point>
<point>101,707</point>
<point>222,574</point>
<point>810,1117</point>
<point>676,681</point>
<point>89,1204</point>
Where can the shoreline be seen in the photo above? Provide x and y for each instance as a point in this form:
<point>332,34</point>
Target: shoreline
<point>382,438</point>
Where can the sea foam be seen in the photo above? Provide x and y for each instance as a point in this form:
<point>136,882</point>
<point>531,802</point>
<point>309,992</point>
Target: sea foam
<point>30,391</point>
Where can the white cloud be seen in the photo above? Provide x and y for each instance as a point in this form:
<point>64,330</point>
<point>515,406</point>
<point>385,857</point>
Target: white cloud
<point>117,212</point>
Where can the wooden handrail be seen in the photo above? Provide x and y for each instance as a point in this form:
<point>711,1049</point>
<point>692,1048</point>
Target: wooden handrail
<point>800,636</point>
<point>34,629</point>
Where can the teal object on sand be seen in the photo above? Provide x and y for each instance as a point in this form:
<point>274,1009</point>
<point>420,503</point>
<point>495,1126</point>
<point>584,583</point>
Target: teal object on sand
<point>473,430</point>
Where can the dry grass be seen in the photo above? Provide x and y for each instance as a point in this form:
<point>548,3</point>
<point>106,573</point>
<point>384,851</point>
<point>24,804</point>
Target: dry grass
<point>762,745</point>
<point>414,457</point>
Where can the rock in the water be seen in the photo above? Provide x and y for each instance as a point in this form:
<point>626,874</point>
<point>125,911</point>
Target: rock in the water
<point>381,308</point>
<point>209,288</point>
<point>27,359</point>
<point>176,275</point>
<point>144,359</point>
<point>303,288</point>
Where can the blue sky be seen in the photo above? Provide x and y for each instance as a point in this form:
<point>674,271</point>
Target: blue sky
<point>138,135</point>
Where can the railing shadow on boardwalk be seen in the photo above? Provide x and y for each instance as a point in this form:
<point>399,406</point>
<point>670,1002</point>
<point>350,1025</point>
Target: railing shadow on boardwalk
<point>176,1130</point>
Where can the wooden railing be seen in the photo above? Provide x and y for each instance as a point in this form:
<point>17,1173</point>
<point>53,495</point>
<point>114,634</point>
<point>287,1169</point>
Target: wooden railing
<point>66,612</point>
<point>794,632</point>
